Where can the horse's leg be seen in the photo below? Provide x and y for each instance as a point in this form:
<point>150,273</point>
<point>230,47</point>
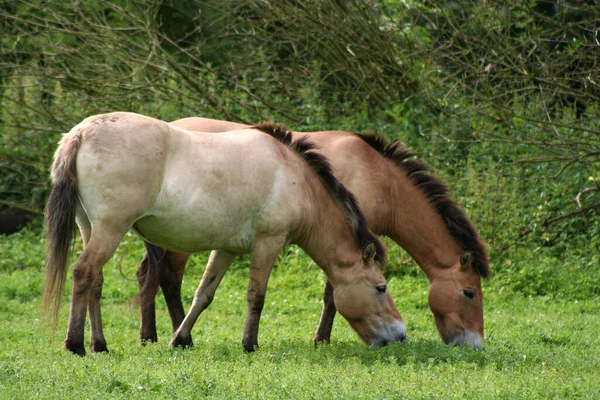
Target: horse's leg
<point>170,275</point>
<point>261,263</point>
<point>97,341</point>
<point>323,334</point>
<point>218,263</point>
<point>170,282</point>
<point>147,274</point>
<point>148,318</point>
<point>101,246</point>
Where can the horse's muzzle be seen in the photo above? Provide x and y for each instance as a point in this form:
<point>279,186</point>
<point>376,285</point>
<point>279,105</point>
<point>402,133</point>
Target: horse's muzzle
<point>395,332</point>
<point>469,338</point>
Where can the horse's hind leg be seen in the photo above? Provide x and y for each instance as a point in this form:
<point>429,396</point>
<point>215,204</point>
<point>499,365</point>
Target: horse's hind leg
<point>170,282</point>
<point>261,263</point>
<point>323,334</point>
<point>101,246</point>
<point>147,275</point>
<point>169,268</point>
<point>218,263</point>
<point>97,341</point>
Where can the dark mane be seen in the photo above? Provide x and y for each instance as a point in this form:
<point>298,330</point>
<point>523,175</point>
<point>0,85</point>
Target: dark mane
<point>436,192</point>
<point>320,166</point>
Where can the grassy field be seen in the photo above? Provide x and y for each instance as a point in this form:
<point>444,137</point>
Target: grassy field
<point>535,347</point>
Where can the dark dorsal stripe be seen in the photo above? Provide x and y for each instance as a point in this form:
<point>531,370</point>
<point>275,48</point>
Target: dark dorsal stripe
<point>436,192</point>
<point>321,167</point>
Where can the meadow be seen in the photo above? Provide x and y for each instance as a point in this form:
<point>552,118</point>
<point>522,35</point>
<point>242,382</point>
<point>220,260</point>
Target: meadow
<point>535,346</point>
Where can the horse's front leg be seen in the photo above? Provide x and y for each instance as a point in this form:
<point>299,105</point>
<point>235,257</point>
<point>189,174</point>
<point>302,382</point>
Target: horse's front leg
<point>323,334</point>
<point>261,264</point>
<point>218,264</point>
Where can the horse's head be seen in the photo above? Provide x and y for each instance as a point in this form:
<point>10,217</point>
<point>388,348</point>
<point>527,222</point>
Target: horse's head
<point>362,297</point>
<point>456,299</point>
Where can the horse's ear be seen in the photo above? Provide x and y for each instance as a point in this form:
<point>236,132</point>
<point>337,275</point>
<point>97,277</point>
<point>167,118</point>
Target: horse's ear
<point>369,251</point>
<point>465,260</point>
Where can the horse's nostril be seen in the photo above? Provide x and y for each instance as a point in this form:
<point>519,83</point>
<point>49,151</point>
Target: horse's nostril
<point>459,339</point>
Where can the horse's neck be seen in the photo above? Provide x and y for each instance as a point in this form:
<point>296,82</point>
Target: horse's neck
<point>392,204</point>
<point>418,228</point>
<point>325,235</point>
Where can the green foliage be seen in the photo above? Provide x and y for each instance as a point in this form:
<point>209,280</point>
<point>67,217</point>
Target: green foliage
<point>534,272</point>
<point>22,250</point>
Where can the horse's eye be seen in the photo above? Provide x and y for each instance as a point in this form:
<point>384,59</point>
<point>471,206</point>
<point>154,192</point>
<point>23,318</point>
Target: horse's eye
<point>469,293</point>
<point>381,288</point>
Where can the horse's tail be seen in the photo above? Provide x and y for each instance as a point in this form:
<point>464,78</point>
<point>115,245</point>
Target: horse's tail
<point>60,219</point>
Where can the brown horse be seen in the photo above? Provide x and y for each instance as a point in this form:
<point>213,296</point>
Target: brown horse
<point>401,200</point>
<point>249,191</point>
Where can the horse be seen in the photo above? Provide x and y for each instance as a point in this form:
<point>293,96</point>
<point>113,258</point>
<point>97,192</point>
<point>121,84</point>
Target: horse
<point>402,200</point>
<point>249,191</point>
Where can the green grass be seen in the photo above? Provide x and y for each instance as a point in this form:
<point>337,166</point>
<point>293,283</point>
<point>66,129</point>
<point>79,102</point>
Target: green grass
<point>536,346</point>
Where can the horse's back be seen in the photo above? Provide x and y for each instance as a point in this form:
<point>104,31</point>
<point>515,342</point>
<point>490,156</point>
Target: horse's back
<point>208,125</point>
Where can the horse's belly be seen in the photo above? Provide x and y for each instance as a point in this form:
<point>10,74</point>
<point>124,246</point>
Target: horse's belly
<point>191,234</point>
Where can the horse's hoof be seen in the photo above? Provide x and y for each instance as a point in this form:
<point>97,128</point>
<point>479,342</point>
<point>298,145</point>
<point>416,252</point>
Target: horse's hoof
<point>98,347</point>
<point>182,342</point>
<point>322,340</point>
<point>75,348</point>
<point>149,339</point>
<point>250,348</point>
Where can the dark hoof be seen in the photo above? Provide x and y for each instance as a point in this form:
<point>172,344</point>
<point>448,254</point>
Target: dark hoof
<point>250,348</point>
<point>179,341</point>
<point>322,340</point>
<point>74,348</point>
<point>98,347</point>
<point>149,339</point>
